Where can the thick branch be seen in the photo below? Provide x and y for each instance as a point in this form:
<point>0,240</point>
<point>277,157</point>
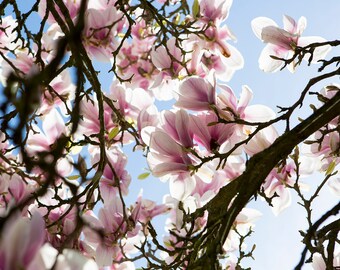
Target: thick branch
<point>221,215</point>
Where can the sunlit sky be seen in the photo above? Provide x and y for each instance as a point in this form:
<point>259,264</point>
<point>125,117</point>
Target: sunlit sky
<point>277,239</point>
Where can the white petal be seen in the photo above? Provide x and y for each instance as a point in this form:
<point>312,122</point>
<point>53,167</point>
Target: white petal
<point>320,52</point>
<point>289,24</point>
<point>268,64</point>
<point>104,256</point>
<point>180,189</point>
<point>235,61</point>
<point>259,23</point>
<point>334,185</point>
<point>75,260</point>
<point>259,113</point>
<point>302,24</point>
<point>53,126</point>
<point>283,201</point>
<point>245,97</point>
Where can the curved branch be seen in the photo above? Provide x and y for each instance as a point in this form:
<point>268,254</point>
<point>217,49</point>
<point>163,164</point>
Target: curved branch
<point>221,214</point>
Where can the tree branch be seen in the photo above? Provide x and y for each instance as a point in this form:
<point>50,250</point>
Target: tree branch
<point>221,214</point>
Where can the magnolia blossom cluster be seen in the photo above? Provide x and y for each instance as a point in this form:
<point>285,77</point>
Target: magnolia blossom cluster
<point>81,222</point>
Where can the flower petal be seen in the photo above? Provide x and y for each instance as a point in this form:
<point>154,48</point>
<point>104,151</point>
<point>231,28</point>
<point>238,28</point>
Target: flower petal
<point>259,23</point>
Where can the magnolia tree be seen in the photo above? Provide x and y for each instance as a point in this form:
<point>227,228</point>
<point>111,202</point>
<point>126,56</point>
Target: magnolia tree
<point>64,183</point>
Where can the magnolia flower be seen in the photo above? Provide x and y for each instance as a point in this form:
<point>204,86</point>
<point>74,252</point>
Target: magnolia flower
<point>167,59</point>
<point>210,136</point>
<point>129,101</point>
<point>243,223</point>
<point>100,32</point>
<point>89,123</point>
<point>214,52</point>
<point>53,128</point>
<point>215,10</point>
<point>166,156</point>
<point>196,94</point>
<point>60,92</point>
<point>49,42</point>
<point>146,122</point>
<point>114,226</point>
<point>230,107</point>
<point>145,210</point>
<point>21,240</point>
<point>261,140</point>
<point>23,63</point>
<point>48,258</point>
<point>282,43</point>
<point>115,176</point>
<point>176,125</point>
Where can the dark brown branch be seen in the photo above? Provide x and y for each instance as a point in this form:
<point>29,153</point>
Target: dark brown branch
<point>221,214</point>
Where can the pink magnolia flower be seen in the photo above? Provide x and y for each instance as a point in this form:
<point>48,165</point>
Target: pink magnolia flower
<point>111,221</point>
<point>135,67</point>
<point>216,37</point>
<point>63,217</point>
<point>147,120</point>
<point>90,125</point>
<point>189,205</point>
<point>283,42</point>
<point>176,124</point>
<point>182,186</point>
<point>21,239</point>
<point>23,63</point>
<point>217,10</point>
<point>278,182</point>
<point>166,156</point>
<point>115,176</point>
<point>196,94</point>
<point>100,32</point>
<point>145,210</point>
<point>168,62</point>
<point>167,59</point>
<point>60,92</point>
<point>53,127</point>
<point>65,224</point>
<point>214,52</point>
<point>244,221</point>
<point>329,148</point>
<point>49,42</point>
<point>14,189</point>
<point>230,107</point>
<point>213,62</point>
<point>325,143</point>
<point>130,102</point>
<point>208,180</point>
<point>208,133</point>
<point>133,63</point>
